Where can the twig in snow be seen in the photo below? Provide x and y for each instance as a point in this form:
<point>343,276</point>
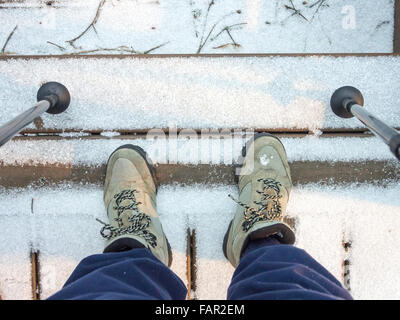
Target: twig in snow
<point>56,45</point>
<point>204,27</point>
<point>124,49</point>
<point>202,43</point>
<point>91,25</point>
<point>155,48</point>
<point>3,50</point>
<point>320,4</point>
<point>379,25</point>
<point>296,11</point>
<point>205,41</point>
<point>236,45</point>
<point>227,29</point>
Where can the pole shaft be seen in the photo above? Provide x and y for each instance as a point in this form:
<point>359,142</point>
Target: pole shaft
<point>375,125</point>
<point>12,127</point>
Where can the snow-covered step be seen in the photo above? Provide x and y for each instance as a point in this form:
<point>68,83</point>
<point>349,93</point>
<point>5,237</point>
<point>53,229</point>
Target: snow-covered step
<point>44,161</point>
<point>101,26</point>
<point>366,216</point>
<point>279,93</point>
<point>60,224</point>
<point>15,246</point>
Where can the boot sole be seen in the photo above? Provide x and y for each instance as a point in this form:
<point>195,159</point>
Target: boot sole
<point>244,149</point>
<point>150,165</point>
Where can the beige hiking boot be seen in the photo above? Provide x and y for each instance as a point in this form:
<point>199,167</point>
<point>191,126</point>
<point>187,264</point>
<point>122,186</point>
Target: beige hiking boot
<point>264,188</point>
<point>130,200</point>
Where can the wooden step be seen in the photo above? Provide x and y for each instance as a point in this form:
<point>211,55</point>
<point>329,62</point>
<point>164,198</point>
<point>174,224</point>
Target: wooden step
<point>167,174</point>
<point>331,158</point>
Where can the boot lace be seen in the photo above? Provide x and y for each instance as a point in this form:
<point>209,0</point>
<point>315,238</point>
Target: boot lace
<point>269,206</point>
<point>139,221</point>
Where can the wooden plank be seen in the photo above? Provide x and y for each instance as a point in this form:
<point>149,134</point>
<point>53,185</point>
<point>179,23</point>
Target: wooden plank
<point>166,174</point>
<point>396,40</point>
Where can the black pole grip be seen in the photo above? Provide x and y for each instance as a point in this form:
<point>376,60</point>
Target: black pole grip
<point>342,100</point>
<point>55,93</point>
<point>394,145</point>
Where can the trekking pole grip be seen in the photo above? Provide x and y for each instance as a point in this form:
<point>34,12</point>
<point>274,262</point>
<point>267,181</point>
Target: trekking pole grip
<point>56,94</point>
<point>347,102</point>
<point>52,97</point>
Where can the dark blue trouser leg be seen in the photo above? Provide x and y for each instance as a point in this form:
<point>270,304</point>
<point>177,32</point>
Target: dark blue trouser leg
<point>135,274</point>
<point>270,270</point>
<point>267,270</point>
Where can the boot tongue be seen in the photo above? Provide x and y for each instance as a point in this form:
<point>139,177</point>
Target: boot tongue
<point>145,204</point>
<point>264,174</point>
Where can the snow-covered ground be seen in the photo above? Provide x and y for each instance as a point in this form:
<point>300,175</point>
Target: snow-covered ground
<point>60,223</point>
<point>192,26</point>
<point>270,92</point>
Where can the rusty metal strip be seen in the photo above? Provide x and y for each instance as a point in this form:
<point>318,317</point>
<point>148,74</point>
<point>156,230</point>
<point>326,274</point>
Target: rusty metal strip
<point>35,270</point>
<point>35,275</point>
<point>191,263</point>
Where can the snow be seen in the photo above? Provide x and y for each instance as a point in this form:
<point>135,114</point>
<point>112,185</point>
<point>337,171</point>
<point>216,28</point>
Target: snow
<point>368,216</point>
<point>64,230</point>
<point>202,93</point>
<point>95,152</point>
<point>183,26</point>
<point>15,267</point>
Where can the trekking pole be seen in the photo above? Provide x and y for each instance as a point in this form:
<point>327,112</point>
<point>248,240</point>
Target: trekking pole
<point>347,102</point>
<point>52,98</point>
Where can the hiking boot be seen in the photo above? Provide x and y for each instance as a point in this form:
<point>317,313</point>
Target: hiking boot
<point>130,200</point>
<point>264,187</point>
